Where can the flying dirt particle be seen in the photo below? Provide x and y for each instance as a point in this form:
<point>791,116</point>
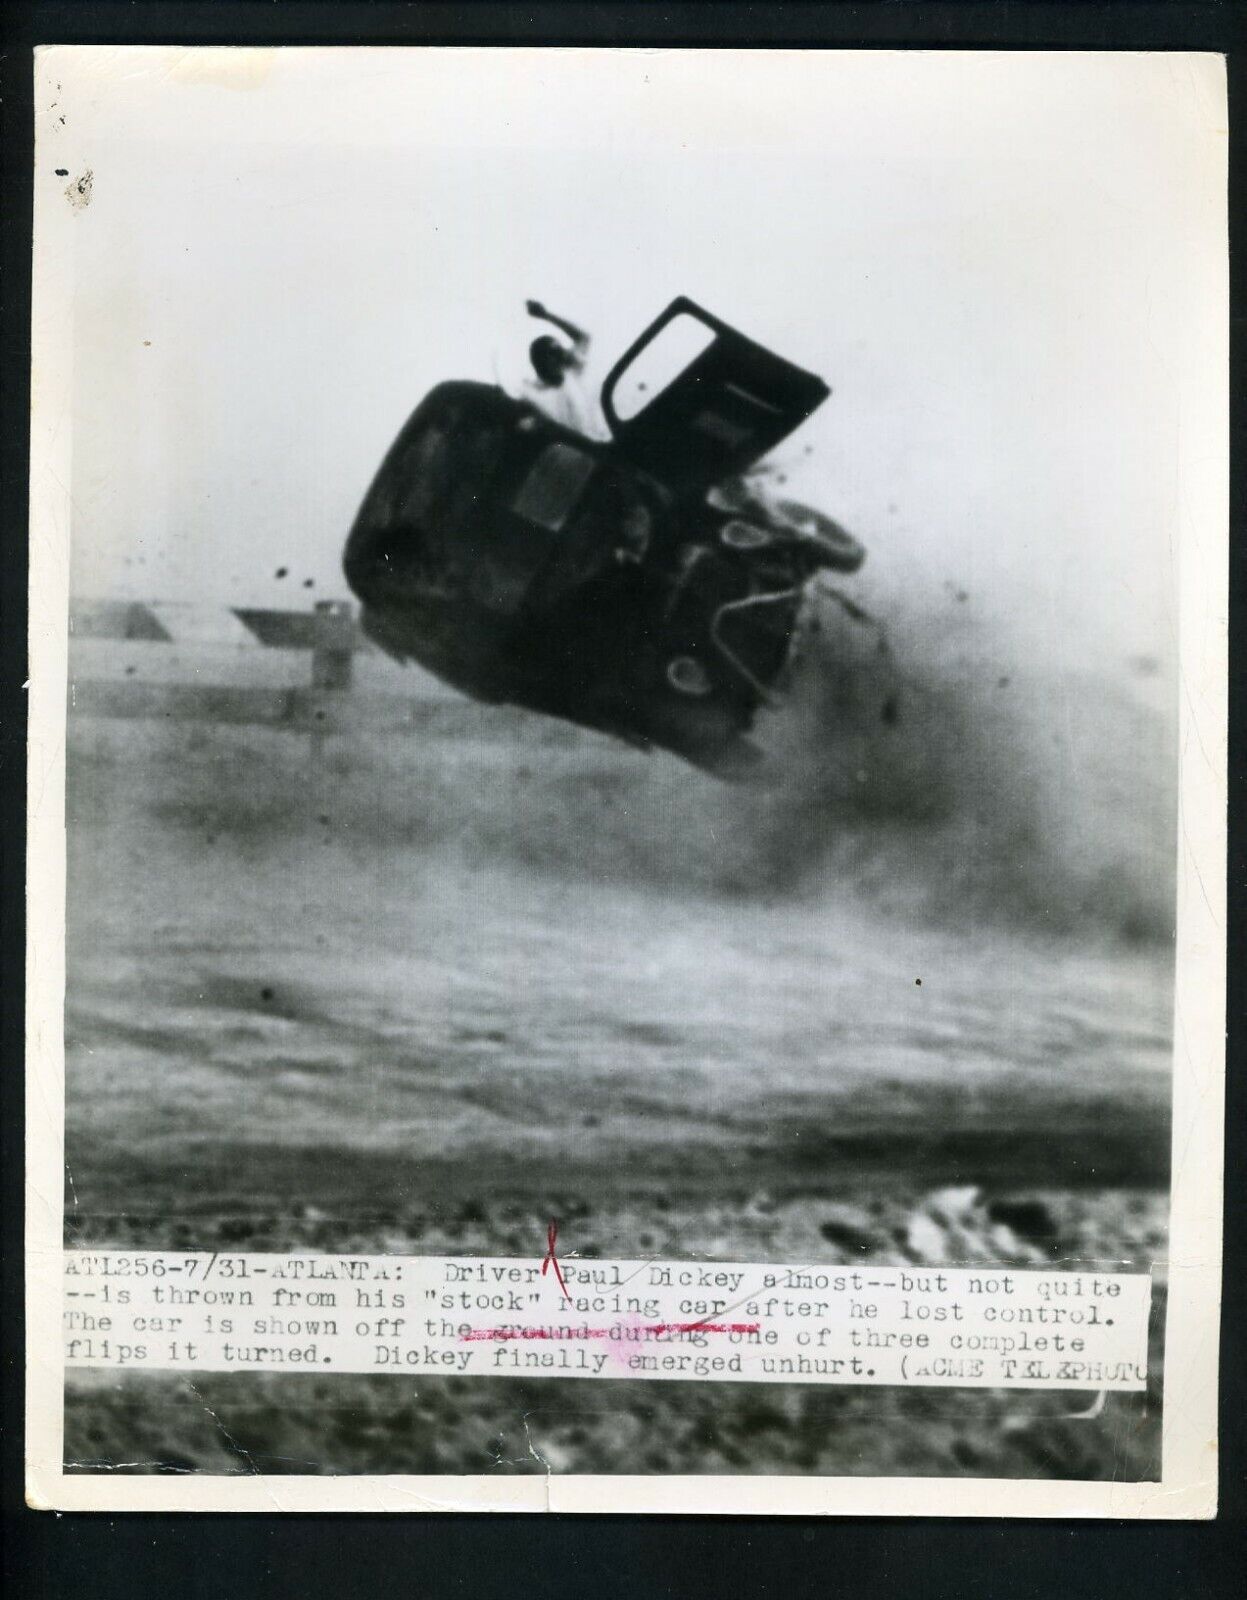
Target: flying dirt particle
<point>78,193</point>
<point>1003,683</point>
<point>323,820</point>
<point>891,711</point>
<point>849,1235</point>
<point>147,344</point>
<point>1028,1219</point>
<point>266,993</point>
<point>918,982</point>
<point>309,583</point>
<point>130,671</point>
<point>282,572</point>
<point>62,172</point>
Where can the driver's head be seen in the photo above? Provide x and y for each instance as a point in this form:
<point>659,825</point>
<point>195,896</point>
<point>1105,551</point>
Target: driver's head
<point>550,359</point>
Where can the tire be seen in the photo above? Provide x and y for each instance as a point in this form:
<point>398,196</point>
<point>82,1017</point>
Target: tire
<point>835,546</point>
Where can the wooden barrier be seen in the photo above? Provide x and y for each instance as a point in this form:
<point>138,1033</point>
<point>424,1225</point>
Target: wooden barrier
<point>331,704</point>
<point>329,632</point>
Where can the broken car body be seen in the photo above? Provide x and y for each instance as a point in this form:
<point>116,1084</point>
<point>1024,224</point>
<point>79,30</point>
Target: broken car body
<point>639,586</point>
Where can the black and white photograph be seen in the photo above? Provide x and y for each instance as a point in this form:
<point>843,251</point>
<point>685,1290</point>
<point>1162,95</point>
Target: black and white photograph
<point>624,635</point>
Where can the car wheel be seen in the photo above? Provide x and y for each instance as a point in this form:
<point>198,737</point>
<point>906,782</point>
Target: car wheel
<point>687,676</point>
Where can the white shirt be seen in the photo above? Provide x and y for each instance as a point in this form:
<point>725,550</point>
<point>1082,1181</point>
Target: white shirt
<point>569,403</point>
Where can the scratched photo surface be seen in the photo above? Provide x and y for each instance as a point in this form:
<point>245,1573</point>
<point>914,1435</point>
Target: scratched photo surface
<point>356,962</point>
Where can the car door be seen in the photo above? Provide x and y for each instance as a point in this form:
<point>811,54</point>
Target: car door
<point>715,416</point>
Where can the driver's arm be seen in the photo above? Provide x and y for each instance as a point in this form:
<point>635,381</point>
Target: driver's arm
<point>578,337</point>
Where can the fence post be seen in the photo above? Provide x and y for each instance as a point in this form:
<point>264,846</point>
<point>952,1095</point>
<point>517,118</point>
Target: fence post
<point>332,661</point>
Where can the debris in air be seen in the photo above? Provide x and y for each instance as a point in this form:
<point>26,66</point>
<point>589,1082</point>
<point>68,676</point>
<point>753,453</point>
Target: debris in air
<point>614,560</point>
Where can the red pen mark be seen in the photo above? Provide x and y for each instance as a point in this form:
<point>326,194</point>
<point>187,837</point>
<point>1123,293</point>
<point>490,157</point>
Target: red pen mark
<point>551,1260</point>
<point>656,1328</point>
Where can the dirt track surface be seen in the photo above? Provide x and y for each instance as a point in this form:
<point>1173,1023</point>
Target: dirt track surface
<point>425,1003</point>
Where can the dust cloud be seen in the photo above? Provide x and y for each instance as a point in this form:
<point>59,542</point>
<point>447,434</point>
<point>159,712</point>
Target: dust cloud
<point>934,769</point>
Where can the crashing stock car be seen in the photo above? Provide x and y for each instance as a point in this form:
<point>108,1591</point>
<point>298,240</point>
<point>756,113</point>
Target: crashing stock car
<point>637,585</point>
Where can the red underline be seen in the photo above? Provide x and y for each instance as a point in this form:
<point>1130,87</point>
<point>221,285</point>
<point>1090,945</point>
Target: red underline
<point>605,1333</point>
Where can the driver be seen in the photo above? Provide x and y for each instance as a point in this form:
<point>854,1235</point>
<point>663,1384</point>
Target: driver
<point>557,386</point>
